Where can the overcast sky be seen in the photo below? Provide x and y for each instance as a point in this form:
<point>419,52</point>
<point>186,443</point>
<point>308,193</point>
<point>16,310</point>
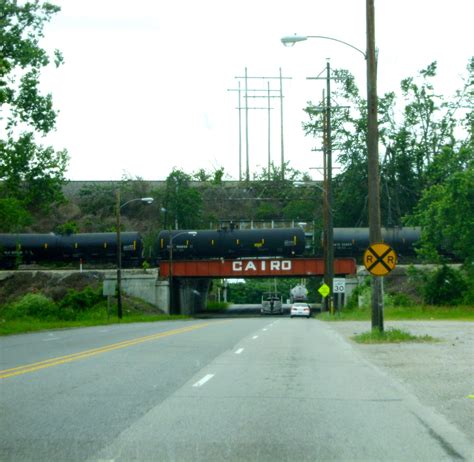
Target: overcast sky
<point>144,87</point>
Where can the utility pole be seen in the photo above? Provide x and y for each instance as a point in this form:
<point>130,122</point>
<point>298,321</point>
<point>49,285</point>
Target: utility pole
<point>282,145</point>
<point>330,238</point>
<point>325,198</point>
<point>375,231</point>
<point>328,196</point>
<point>247,108</point>
<point>281,78</point>
<point>119,256</point>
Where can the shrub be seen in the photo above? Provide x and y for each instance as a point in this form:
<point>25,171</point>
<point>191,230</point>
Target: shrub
<point>398,299</point>
<point>469,294</point>
<point>361,292</point>
<point>217,306</point>
<point>32,305</point>
<point>81,301</point>
<point>446,286</point>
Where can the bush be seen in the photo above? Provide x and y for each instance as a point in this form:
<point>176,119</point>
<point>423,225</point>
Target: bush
<point>446,286</point>
<point>217,306</point>
<point>31,305</point>
<point>362,291</point>
<point>469,293</point>
<point>398,299</point>
<point>81,301</point>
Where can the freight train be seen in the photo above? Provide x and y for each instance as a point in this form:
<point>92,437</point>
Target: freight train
<point>89,247</point>
<point>231,243</point>
<point>101,248</point>
<point>352,242</point>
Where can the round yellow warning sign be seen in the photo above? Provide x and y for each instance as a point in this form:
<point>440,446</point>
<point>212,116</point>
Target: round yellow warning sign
<point>379,259</point>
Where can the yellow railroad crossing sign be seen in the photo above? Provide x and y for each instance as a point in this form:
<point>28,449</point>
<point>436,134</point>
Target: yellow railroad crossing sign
<point>380,259</point>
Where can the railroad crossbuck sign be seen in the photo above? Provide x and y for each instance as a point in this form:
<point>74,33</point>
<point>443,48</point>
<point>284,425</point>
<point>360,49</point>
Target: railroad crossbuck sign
<point>380,259</point>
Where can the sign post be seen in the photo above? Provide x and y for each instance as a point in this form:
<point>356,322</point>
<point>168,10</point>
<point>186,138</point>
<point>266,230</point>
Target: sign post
<point>379,259</point>
<point>325,290</point>
<point>339,290</point>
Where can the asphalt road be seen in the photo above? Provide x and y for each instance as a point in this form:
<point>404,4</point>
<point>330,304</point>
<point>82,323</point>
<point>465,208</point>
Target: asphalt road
<point>256,389</point>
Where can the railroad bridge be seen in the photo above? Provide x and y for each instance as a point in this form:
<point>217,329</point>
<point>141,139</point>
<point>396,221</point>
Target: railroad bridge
<point>190,279</point>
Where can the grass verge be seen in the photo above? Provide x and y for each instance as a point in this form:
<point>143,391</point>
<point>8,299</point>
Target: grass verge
<point>399,313</point>
<point>24,325</point>
<point>216,307</point>
<point>391,336</point>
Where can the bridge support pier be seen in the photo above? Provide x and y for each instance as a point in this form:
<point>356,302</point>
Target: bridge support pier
<point>190,295</point>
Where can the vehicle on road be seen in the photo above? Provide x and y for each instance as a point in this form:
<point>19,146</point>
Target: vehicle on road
<point>299,294</point>
<point>300,309</point>
<point>271,304</point>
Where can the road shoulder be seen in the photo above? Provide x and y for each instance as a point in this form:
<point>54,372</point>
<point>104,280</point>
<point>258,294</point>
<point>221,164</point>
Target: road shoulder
<point>440,375</point>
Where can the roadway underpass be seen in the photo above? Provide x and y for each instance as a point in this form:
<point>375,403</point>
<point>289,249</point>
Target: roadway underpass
<point>189,280</point>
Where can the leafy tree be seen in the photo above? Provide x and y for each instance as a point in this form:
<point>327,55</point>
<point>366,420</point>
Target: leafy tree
<point>215,177</point>
<point>446,207</point>
<point>415,149</point>
<point>183,203</point>
<point>29,172</point>
<point>13,215</point>
<point>446,213</point>
<point>69,227</point>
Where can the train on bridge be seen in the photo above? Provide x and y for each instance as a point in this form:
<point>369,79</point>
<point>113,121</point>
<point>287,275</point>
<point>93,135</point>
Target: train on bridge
<point>226,243</point>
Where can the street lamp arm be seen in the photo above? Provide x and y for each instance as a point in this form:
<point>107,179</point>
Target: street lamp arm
<point>118,208</point>
<point>148,200</point>
<point>340,41</point>
<point>292,39</point>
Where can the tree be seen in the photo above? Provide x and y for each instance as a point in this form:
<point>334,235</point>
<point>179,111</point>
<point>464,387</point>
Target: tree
<point>183,203</point>
<point>446,206</point>
<point>415,146</point>
<point>446,213</point>
<point>29,172</point>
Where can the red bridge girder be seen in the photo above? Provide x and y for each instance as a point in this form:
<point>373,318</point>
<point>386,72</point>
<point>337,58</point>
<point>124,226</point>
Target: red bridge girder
<point>255,267</point>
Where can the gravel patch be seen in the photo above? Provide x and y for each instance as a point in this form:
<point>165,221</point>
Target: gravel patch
<point>440,375</point>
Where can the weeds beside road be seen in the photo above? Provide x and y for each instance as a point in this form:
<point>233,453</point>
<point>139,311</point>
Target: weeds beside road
<point>413,312</point>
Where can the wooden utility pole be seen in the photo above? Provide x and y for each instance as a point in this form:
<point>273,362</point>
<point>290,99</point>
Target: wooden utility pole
<point>119,257</point>
<point>329,204</point>
<point>375,232</point>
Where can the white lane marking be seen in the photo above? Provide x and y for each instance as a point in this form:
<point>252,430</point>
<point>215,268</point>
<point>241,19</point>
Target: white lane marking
<point>254,337</point>
<point>205,379</point>
<point>239,351</point>
<point>264,329</point>
<point>51,337</point>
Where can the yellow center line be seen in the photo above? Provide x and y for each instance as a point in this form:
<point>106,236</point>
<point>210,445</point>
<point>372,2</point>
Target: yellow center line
<point>95,351</point>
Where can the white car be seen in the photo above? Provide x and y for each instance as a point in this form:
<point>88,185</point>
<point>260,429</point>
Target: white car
<point>300,309</point>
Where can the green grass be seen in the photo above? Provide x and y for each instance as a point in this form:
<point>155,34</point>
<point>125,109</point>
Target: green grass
<point>391,336</point>
<point>399,313</point>
<point>23,325</point>
<point>216,307</point>
<point>35,312</point>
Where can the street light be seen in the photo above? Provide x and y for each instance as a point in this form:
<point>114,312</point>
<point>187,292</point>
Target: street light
<point>118,207</point>
<point>328,233</point>
<point>375,231</point>
<point>170,275</point>
<point>290,41</point>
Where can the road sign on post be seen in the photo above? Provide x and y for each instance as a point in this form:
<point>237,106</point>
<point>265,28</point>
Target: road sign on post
<point>324,290</point>
<point>379,259</point>
<point>339,285</point>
